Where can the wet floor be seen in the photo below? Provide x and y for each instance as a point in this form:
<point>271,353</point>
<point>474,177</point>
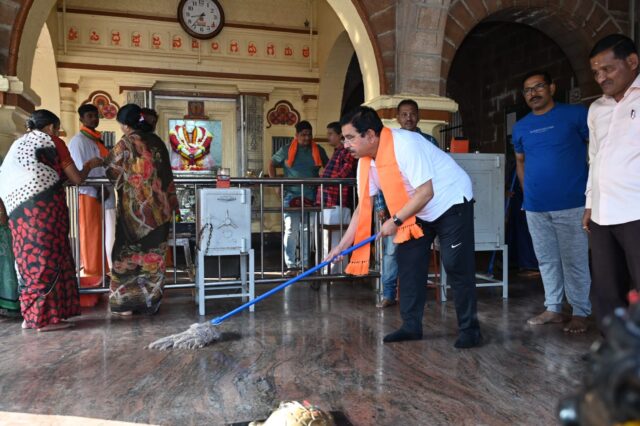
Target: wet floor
<point>322,346</point>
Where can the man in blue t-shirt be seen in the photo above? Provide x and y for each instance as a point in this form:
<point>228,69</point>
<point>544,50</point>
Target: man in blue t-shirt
<point>551,163</point>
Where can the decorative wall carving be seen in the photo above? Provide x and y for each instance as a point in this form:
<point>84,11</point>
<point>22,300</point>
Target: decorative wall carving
<point>154,36</point>
<point>107,108</point>
<point>283,114</point>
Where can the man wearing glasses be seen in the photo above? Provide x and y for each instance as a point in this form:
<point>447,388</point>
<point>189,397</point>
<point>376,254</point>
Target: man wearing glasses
<point>551,162</point>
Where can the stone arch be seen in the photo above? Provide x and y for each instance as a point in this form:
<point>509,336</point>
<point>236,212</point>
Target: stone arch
<point>332,79</point>
<point>352,15</point>
<point>45,82</point>
<point>574,25</point>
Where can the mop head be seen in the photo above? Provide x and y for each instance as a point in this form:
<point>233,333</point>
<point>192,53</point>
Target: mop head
<point>197,336</point>
<point>292,413</point>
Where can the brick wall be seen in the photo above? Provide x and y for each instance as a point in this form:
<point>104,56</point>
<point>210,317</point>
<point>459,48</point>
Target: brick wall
<point>486,75</point>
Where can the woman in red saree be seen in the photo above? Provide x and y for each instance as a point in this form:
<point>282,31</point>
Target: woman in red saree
<point>31,187</point>
<point>140,170</point>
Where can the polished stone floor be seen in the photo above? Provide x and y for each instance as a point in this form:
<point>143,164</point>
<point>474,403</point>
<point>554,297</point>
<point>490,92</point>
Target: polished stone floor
<point>322,346</point>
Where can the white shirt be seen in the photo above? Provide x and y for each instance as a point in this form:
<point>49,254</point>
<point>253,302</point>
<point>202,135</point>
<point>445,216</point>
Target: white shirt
<point>613,188</point>
<point>83,149</point>
<point>419,163</point>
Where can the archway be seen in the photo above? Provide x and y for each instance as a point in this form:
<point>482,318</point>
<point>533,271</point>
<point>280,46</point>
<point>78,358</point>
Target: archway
<point>363,46</point>
<point>332,78</point>
<point>486,75</point>
<point>574,26</point>
<point>44,75</point>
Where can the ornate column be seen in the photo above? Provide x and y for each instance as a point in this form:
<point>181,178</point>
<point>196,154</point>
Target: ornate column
<point>68,115</point>
<point>16,103</point>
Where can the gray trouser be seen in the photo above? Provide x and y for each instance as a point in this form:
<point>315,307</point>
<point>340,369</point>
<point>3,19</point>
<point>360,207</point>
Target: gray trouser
<point>562,249</point>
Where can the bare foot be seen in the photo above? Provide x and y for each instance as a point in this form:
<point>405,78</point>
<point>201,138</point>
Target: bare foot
<point>57,326</point>
<point>577,325</point>
<point>547,317</point>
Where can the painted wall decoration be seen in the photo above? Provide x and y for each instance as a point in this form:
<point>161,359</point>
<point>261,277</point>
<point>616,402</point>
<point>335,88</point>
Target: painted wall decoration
<point>176,42</point>
<point>136,39</point>
<point>94,36</point>
<point>234,47</point>
<point>72,34</point>
<point>195,144</point>
<point>115,38</point>
<point>283,114</point>
<point>271,49</point>
<point>156,41</point>
<point>107,108</point>
<point>252,49</point>
<point>142,36</point>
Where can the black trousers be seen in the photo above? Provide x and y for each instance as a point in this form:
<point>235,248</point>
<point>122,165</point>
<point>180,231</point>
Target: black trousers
<point>615,265</point>
<point>455,231</point>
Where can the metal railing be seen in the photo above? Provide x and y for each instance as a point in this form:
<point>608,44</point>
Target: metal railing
<point>260,209</point>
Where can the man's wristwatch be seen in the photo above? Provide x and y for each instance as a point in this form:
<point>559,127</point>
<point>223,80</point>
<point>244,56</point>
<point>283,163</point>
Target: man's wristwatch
<point>396,220</point>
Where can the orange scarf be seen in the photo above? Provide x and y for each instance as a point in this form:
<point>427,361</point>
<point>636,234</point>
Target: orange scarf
<point>395,196</point>
<point>96,136</point>
<point>315,153</point>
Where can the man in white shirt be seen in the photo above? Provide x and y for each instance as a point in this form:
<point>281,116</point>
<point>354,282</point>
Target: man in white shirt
<point>612,215</point>
<point>428,195</point>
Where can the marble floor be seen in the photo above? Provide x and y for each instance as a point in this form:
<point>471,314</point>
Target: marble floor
<point>322,346</point>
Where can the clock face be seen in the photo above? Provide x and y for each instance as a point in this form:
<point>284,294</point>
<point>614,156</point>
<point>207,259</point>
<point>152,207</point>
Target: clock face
<point>201,18</point>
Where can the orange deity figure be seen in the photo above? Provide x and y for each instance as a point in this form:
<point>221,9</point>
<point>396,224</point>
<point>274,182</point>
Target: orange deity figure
<point>190,147</point>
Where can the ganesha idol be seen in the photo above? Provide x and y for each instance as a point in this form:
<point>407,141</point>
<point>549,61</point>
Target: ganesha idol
<point>190,147</point>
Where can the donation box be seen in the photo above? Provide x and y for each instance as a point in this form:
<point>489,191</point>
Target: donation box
<point>224,221</point>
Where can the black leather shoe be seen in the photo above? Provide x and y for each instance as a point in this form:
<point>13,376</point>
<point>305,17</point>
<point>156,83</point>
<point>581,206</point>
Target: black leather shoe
<point>468,339</point>
<point>400,336</point>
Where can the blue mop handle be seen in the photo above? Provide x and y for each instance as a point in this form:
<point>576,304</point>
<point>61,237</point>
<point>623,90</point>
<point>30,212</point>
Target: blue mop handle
<point>218,320</point>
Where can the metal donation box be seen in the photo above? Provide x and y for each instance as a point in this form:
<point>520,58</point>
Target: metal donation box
<point>224,228</point>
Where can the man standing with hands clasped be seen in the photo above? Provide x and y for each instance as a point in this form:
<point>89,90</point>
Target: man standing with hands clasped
<point>613,192</point>
<point>551,162</point>
<point>428,195</point>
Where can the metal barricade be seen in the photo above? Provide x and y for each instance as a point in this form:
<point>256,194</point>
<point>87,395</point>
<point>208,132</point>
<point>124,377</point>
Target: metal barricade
<point>264,205</point>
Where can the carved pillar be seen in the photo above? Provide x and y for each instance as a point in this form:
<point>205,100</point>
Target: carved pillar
<point>254,133</point>
<point>69,121</point>
<point>16,103</point>
<point>419,42</point>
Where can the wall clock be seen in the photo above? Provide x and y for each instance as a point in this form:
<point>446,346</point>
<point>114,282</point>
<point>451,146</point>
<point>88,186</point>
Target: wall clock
<point>201,19</point>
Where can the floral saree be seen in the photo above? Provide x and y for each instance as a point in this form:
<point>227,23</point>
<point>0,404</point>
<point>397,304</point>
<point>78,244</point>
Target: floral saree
<point>140,170</point>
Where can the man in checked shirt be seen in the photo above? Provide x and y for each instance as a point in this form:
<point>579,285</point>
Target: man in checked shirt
<point>341,165</point>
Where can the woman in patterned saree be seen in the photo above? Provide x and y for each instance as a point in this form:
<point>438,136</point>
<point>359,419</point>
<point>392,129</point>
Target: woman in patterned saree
<point>140,170</point>
<point>31,187</point>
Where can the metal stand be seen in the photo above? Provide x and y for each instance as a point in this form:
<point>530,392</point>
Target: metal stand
<point>245,289</point>
<point>482,280</point>
<point>224,229</point>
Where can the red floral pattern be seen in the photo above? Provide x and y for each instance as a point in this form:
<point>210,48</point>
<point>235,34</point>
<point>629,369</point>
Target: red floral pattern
<point>39,228</point>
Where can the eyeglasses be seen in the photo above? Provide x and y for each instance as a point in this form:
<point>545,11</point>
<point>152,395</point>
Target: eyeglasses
<point>537,88</point>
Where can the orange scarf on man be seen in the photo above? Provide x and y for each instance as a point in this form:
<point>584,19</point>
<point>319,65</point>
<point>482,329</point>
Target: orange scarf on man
<point>95,136</point>
<point>395,196</point>
<point>293,149</point>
